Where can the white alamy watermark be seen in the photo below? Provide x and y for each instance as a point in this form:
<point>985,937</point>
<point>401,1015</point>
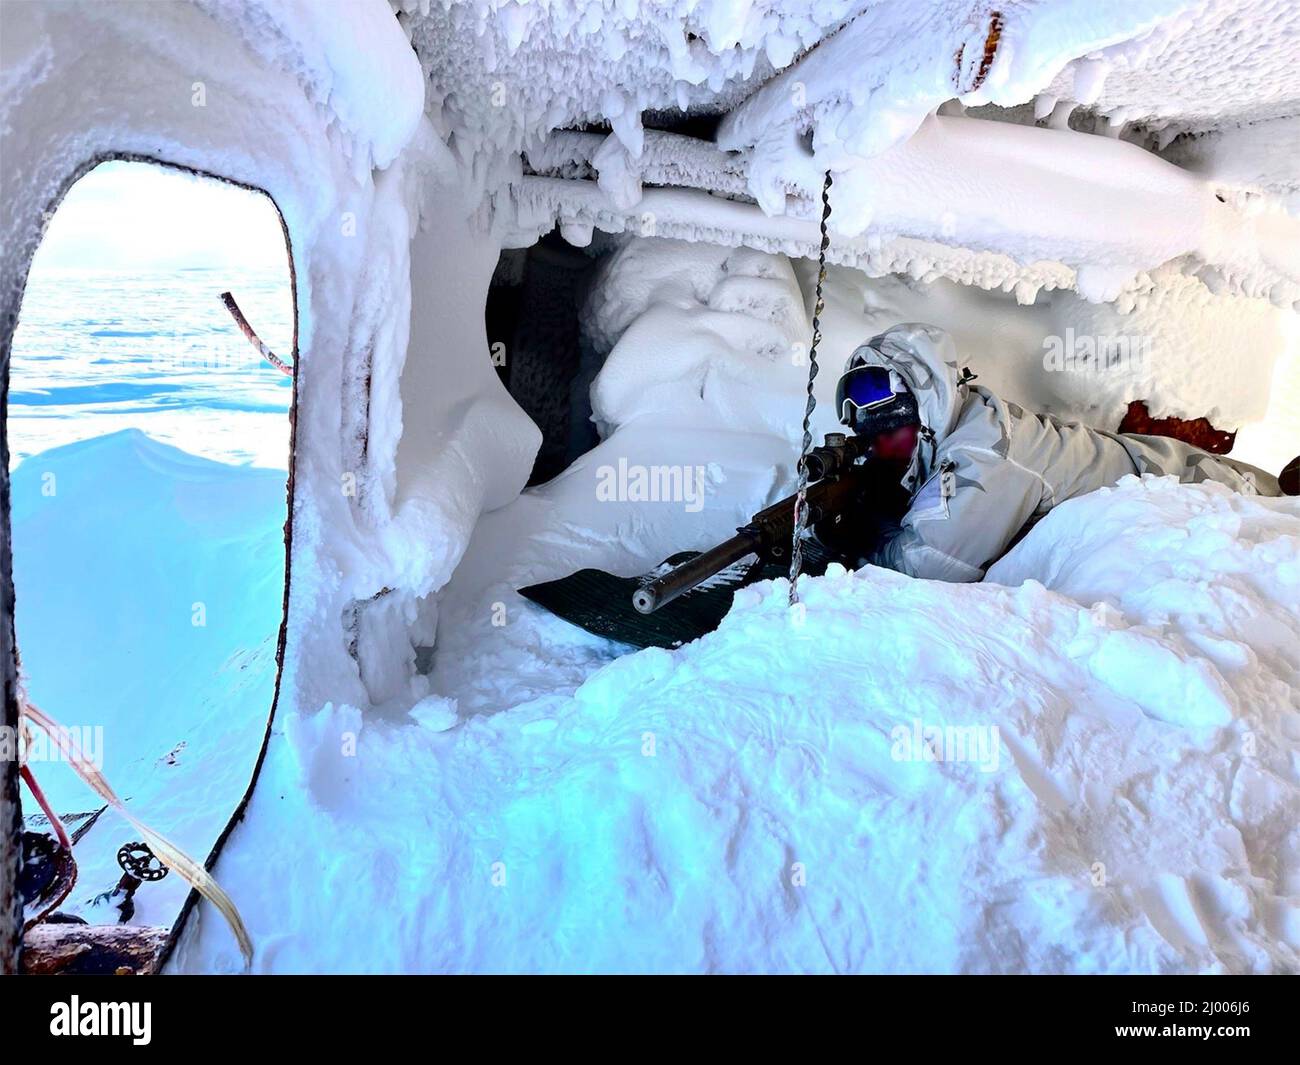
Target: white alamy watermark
<point>919,742</point>
<point>177,358</point>
<point>632,483</point>
<point>77,1018</point>
<point>70,743</point>
<point>1096,353</point>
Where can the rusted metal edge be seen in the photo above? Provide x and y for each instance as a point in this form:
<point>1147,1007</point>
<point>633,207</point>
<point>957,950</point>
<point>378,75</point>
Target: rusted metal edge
<point>991,41</point>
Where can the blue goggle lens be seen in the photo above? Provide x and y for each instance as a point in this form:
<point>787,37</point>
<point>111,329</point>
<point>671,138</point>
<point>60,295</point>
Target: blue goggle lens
<point>865,387</point>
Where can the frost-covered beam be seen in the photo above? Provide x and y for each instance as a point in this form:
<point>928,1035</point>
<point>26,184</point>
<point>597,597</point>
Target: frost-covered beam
<point>1261,157</point>
<point>986,203</point>
<point>1104,207</point>
<point>578,207</point>
<point>666,159</point>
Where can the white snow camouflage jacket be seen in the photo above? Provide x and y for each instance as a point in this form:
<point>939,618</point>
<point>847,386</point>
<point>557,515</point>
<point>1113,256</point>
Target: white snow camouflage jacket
<point>985,469</point>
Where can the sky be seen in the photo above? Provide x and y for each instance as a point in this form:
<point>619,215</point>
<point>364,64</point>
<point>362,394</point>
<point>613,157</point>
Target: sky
<point>139,216</point>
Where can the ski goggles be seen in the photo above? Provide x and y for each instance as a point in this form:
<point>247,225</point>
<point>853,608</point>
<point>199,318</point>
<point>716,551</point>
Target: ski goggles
<point>865,388</point>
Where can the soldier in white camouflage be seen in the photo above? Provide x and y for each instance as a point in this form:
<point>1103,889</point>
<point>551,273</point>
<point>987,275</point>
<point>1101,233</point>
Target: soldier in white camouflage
<point>980,470</point>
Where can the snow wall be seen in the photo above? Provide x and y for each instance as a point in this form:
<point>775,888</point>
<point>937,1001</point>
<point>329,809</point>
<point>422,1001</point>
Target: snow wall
<point>709,335</point>
<point>326,117</point>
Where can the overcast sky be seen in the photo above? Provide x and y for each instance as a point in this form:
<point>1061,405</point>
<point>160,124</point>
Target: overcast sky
<point>138,216</point>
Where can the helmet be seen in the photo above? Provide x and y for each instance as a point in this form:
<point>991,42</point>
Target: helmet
<point>873,399</point>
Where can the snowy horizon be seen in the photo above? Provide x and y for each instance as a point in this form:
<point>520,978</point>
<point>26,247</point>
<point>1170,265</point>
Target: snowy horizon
<point>142,217</point>
<point>121,329</point>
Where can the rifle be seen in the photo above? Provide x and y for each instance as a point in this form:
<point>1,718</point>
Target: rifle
<point>836,481</point>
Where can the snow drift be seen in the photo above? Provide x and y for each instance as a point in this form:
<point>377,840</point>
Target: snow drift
<point>1123,803</point>
<point>149,585</point>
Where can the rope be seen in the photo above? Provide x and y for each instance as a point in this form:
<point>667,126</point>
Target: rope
<point>61,834</point>
<point>801,496</point>
<point>168,853</point>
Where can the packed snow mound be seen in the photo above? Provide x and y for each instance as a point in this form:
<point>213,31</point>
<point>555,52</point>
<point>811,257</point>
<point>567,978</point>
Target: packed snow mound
<point>1216,614</point>
<point>706,336</point>
<point>643,272</point>
<point>149,585</point>
<point>1091,771</point>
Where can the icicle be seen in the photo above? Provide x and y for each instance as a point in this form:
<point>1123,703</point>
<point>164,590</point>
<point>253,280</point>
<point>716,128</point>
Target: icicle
<point>1026,293</point>
<point>514,21</point>
<point>617,175</point>
<point>780,50</point>
<point>627,127</point>
<point>1060,116</point>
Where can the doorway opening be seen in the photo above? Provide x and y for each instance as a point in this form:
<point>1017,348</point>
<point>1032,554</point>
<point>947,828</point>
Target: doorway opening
<point>149,449</point>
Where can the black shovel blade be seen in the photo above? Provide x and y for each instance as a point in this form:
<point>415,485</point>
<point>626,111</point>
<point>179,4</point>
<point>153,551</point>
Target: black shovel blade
<point>601,603</point>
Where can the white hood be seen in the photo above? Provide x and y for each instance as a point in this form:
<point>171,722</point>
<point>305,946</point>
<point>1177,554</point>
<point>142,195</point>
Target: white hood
<point>925,357</point>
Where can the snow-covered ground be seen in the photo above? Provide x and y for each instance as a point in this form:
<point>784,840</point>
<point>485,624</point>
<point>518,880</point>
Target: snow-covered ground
<point>1118,715</point>
<point>148,585</point>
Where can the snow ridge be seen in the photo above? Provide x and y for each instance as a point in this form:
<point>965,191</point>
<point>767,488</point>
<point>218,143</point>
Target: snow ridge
<point>1090,771</point>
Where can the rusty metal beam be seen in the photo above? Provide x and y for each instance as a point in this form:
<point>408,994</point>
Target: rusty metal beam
<point>248,331</point>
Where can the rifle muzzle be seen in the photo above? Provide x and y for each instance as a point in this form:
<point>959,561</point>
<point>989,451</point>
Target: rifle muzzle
<point>694,571</point>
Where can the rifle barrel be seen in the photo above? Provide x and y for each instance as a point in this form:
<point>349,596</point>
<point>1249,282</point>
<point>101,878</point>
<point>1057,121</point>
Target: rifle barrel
<point>683,578</point>
<point>836,484</point>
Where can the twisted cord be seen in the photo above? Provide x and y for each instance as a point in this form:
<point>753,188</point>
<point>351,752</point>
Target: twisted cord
<point>801,496</point>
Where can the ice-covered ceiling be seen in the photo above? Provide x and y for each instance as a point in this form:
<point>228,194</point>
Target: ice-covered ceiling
<point>1215,64</point>
<point>852,86</point>
<point>502,72</point>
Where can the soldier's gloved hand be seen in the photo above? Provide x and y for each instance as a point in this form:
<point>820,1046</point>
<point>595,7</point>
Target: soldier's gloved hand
<point>852,535</point>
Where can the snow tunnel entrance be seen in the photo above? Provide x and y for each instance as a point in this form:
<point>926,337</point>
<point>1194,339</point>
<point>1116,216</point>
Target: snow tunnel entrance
<point>149,447</point>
